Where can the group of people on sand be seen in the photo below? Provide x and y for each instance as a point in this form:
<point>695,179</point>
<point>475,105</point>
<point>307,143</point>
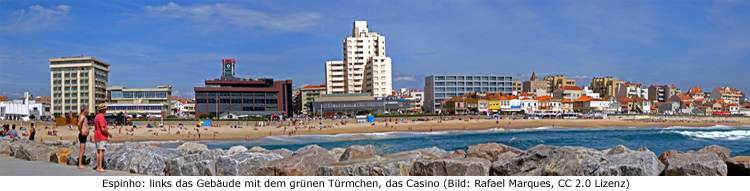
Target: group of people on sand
<point>9,132</point>
<point>101,136</point>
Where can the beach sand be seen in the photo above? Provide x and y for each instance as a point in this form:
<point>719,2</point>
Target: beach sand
<point>248,131</point>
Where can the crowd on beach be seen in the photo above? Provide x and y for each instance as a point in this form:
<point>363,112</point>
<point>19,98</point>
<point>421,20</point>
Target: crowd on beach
<point>9,132</point>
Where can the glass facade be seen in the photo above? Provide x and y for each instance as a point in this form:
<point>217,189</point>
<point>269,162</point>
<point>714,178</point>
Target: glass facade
<point>442,87</point>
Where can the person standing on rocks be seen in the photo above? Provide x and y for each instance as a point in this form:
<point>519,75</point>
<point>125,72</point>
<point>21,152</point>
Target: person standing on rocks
<point>101,135</point>
<point>83,135</point>
<point>32,132</point>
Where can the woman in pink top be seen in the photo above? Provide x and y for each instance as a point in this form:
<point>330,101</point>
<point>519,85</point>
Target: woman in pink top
<point>101,135</point>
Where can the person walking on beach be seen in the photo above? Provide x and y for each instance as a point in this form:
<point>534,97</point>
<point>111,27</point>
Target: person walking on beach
<point>32,132</point>
<point>101,135</point>
<point>83,135</point>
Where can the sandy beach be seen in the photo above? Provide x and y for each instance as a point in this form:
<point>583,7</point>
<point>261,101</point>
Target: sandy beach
<point>228,130</point>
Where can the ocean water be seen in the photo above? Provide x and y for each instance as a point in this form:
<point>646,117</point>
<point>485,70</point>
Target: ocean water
<point>655,139</point>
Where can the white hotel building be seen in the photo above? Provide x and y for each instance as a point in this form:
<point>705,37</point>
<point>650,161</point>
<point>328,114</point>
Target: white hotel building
<point>365,68</point>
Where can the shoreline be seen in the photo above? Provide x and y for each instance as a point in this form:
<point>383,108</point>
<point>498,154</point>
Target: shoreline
<point>247,132</point>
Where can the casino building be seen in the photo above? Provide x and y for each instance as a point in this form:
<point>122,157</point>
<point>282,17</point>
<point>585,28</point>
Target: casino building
<point>230,97</point>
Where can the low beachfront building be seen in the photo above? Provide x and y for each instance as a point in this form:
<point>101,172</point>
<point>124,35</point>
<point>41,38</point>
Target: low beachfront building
<point>568,92</point>
<point>246,96</point>
<point>728,94</point>
<point>307,95</point>
<point>329,105</point>
<point>442,87</point>
<point>24,109</point>
<point>139,102</point>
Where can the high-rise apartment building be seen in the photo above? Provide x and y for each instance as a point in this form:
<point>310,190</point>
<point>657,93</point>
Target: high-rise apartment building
<point>77,82</point>
<point>365,67</point>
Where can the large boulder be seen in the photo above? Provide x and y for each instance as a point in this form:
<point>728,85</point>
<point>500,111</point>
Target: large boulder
<point>358,152</point>
<point>337,152</point>
<point>489,151</point>
<point>693,164</point>
<point>304,162</point>
<point>544,160</point>
<point>451,167</point>
<point>257,149</point>
<point>723,152</point>
<point>621,161</point>
<point>283,152</point>
<point>243,164</point>
<point>89,155</point>
<point>191,147</point>
<point>149,160</point>
<point>197,164</point>
<point>61,155</point>
<point>738,166</point>
<point>32,151</point>
<point>5,148</point>
<point>236,150</point>
<point>426,153</point>
<point>373,167</point>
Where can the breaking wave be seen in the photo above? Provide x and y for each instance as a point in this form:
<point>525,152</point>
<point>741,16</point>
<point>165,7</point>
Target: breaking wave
<point>717,135</point>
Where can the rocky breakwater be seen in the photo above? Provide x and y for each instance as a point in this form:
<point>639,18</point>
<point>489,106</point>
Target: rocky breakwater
<point>193,159</point>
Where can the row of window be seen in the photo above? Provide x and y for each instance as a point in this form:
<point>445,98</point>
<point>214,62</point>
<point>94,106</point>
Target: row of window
<point>139,94</point>
<point>474,84</point>
<point>473,78</point>
<point>137,107</point>
<point>238,101</point>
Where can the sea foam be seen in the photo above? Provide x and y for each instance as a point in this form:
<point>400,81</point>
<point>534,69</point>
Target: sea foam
<point>717,135</point>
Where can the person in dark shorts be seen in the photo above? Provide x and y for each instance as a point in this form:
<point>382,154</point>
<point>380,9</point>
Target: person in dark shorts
<point>83,135</point>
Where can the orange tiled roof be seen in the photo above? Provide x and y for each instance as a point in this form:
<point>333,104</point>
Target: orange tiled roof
<point>571,88</point>
<point>544,98</point>
<point>584,99</point>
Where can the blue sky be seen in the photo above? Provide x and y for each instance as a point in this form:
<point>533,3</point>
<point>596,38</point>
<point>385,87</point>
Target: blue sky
<point>683,42</point>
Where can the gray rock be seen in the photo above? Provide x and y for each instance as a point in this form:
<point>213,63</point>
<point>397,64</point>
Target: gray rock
<point>738,166</point>
<point>236,150</point>
<point>243,164</point>
<point>358,152</point>
<point>197,164</point>
<point>283,152</point>
<point>544,160</point>
<point>375,167</point>
<point>5,148</point>
<point>89,155</point>
<point>723,152</point>
<point>457,154</point>
<point>257,149</point>
<point>693,164</point>
<point>191,147</point>
<point>149,160</point>
<point>304,162</point>
<point>451,167</point>
<point>621,161</point>
<point>489,151</point>
<point>33,151</point>
<point>337,152</point>
<point>426,153</point>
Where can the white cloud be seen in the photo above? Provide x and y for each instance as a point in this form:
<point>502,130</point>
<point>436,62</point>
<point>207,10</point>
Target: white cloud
<point>234,15</point>
<point>36,18</point>
<point>405,79</point>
